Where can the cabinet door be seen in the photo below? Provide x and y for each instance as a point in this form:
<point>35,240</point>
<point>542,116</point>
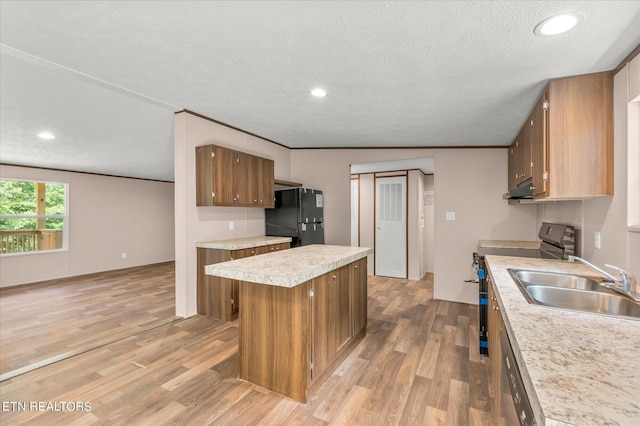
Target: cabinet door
<point>525,152</point>
<point>539,146</point>
<point>495,353</point>
<point>234,290</point>
<point>359,295</point>
<point>252,171</point>
<point>512,167</point>
<point>266,186</point>
<point>263,249</point>
<point>283,246</point>
<point>214,294</point>
<point>331,321</point>
<point>277,247</point>
<point>241,178</point>
<point>224,176</point>
<point>204,175</point>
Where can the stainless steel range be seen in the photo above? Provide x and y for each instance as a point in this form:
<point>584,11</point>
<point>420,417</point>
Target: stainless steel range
<point>557,241</point>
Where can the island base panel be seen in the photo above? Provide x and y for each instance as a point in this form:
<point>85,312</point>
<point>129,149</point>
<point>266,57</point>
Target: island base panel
<point>274,338</point>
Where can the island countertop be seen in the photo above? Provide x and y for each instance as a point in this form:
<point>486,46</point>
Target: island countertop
<point>289,268</point>
<point>578,368</point>
<point>243,243</point>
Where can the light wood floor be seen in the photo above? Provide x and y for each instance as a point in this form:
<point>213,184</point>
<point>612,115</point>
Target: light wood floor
<point>418,365</point>
<point>48,321</point>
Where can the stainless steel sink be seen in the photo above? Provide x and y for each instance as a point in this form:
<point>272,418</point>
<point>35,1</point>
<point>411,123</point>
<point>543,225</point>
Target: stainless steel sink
<point>553,279</point>
<point>573,292</point>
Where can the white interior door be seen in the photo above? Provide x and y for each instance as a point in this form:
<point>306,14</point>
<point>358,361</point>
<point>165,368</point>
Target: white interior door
<point>391,227</point>
<point>355,212</point>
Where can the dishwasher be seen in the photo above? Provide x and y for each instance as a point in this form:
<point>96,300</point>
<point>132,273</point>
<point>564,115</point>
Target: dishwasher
<point>516,409</point>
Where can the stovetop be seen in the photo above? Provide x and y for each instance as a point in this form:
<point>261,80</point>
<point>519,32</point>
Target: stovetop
<point>510,251</point>
<point>557,242</point>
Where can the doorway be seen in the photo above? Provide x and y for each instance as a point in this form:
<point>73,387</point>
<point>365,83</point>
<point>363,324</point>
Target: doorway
<point>391,226</point>
<point>420,220</point>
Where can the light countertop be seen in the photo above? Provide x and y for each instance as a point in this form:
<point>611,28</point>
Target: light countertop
<point>243,243</point>
<point>578,368</point>
<point>288,268</point>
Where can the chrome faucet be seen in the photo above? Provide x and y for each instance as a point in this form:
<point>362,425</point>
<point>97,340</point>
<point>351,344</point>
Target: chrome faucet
<point>627,281</point>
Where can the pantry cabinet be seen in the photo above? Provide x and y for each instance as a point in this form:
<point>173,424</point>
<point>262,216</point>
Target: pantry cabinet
<point>226,177</point>
<point>565,148</point>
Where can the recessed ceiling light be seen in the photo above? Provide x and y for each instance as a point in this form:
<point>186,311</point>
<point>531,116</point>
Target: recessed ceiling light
<point>46,135</point>
<point>558,24</point>
<point>318,93</point>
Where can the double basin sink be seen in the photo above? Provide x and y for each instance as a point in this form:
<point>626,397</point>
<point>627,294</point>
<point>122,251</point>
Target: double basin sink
<point>573,292</point>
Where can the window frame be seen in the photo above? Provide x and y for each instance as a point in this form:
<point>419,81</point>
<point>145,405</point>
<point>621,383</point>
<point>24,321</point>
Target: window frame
<point>633,159</point>
<point>64,217</point>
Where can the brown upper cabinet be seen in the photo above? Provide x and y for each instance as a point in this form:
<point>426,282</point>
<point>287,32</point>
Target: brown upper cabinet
<point>566,144</point>
<point>520,157</point>
<point>225,177</point>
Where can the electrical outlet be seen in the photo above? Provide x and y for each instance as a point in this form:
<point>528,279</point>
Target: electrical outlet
<point>451,216</point>
<point>232,226</point>
<point>596,240</point>
<point>124,255</point>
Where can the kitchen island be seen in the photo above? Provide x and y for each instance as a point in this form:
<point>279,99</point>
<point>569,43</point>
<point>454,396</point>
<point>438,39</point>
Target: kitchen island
<point>301,312</point>
<point>577,368</point>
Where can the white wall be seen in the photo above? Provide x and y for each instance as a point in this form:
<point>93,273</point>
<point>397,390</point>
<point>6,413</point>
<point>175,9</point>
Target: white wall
<point>194,224</point>
<point>468,181</point>
<point>107,216</point>
<point>607,215</point>
<point>367,216</point>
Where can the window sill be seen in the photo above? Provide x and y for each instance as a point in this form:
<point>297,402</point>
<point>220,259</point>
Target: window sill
<point>31,253</point>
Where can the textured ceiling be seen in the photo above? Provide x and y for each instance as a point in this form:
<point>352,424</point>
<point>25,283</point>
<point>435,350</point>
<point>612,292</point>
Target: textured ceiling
<point>108,76</point>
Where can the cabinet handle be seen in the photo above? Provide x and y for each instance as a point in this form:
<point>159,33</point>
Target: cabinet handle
<point>333,277</point>
<point>355,267</point>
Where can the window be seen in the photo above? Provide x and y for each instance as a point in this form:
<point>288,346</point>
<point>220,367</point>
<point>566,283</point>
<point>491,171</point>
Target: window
<point>32,216</point>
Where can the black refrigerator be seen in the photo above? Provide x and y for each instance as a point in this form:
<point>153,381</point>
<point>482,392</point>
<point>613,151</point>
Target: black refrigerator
<point>297,214</point>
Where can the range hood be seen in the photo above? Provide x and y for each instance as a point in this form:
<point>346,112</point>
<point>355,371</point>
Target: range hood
<point>524,191</point>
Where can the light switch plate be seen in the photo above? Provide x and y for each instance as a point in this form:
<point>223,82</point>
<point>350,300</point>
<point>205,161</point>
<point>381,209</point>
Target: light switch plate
<point>232,226</point>
<point>596,240</point>
<point>451,216</point>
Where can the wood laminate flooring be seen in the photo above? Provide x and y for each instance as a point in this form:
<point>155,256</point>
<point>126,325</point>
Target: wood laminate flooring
<point>418,365</point>
<point>45,322</point>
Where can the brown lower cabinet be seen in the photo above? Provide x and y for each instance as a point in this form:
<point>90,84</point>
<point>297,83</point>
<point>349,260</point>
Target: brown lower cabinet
<point>218,297</point>
<point>499,413</point>
<point>291,339</point>
<point>495,352</point>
